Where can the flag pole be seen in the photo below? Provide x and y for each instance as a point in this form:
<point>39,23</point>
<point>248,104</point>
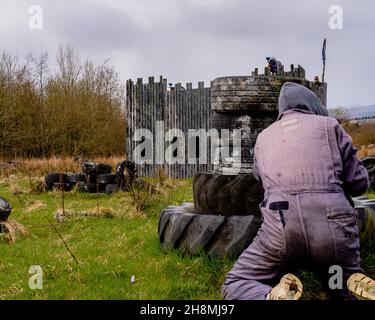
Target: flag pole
<point>324,58</point>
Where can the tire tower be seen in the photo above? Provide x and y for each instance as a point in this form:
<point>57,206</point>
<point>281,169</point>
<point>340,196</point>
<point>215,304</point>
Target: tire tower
<point>225,215</point>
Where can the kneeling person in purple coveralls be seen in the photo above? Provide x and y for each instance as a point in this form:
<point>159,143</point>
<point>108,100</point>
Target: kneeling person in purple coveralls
<point>308,167</point>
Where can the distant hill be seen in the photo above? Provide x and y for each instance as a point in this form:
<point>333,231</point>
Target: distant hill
<point>360,112</point>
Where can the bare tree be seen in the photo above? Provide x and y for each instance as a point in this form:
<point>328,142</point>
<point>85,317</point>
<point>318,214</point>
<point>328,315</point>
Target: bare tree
<point>341,114</point>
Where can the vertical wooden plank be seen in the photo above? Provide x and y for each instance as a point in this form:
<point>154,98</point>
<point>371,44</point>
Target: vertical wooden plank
<point>188,122</point>
<point>147,116</point>
<point>210,112</point>
<point>196,120</point>
<point>144,119</point>
<point>168,118</point>
<point>134,116</point>
<point>140,115</point>
<point>185,113</point>
<point>127,117</point>
<point>182,124</point>
<point>201,116</point>
<point>131,117</point>
<point>172,120</point>
<point>206,111</point>
<point>179,112</point>
<point>163,99</point>
<point>151,121</point>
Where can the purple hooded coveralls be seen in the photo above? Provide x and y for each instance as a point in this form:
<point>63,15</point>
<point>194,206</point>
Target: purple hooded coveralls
<point>308,166</point>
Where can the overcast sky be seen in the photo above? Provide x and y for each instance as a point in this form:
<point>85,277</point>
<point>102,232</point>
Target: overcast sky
<point>199,40</point>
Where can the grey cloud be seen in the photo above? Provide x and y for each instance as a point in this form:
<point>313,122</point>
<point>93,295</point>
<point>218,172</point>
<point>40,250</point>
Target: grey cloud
<point>193,40</point>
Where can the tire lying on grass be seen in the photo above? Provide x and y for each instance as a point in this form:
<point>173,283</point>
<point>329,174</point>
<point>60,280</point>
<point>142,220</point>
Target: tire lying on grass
<point>368,162</point>
<point>371,175</point>
<point>63,186</point>
<point>225,195</point>
<point>180,228</point>
<point>76,177</point>
<point>52,178</point>
<point>5,209</point>
<point>90,187</point>
<point>111,188</point>
<point>366,218</point>
<point>106,179</point>
<point>96,168</point>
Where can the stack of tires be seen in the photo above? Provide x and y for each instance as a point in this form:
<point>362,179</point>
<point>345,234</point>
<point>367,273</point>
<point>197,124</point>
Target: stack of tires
<point>94,178</point>
<point>98,179</point>
<point>225,215</point>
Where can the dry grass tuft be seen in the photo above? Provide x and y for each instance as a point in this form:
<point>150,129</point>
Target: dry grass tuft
<point>11,230</point>
<point>366,151</point>
<point>141,196</point>
<point>62,215</point>
<point>34,205</point>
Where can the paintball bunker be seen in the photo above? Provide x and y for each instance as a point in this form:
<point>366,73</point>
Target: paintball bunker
<point>225,215</point>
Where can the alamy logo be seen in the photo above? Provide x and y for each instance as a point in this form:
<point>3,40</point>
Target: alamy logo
<point>36,17</point>
<point>336,20</point>
<point>336,281</point>
<point>191,147</point>
<point>36,280</point>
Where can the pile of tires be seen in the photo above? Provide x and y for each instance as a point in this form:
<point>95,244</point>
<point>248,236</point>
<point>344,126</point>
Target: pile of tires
<point>95,177</point>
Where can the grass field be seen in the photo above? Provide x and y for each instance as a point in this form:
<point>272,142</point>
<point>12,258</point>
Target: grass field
<point>109,250</point>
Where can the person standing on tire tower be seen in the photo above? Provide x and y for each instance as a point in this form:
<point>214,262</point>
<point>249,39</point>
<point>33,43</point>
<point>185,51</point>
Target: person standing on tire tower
<point>306,162</point>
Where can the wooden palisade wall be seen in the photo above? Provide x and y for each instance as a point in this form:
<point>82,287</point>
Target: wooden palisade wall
<point>179,107</point>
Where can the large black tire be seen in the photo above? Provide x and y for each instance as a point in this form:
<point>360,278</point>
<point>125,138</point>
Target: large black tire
<point>90,168</point>
<point>368,162</point>
<point>180,228</point>
<point>67,186</point>
<point>126,173</point>
<point>111,188</point>
<point>76,177</point>
<point>55,177</point>
<point>90,187</point>
<point>91,178</point>
<point>226,195</point>
<point>5,209</point>
<point>366,219</point>
<point>107,179</point>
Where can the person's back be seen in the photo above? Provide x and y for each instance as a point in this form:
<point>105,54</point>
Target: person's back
<point>302,152</point>
<point>307,163</point>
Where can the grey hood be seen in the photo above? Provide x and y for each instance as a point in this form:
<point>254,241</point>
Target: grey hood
<point>296,96</point>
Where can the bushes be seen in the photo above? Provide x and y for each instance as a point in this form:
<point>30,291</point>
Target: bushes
<point>77,110</point>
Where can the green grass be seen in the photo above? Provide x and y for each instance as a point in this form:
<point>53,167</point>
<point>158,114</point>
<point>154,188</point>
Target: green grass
<point>109,251</point>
